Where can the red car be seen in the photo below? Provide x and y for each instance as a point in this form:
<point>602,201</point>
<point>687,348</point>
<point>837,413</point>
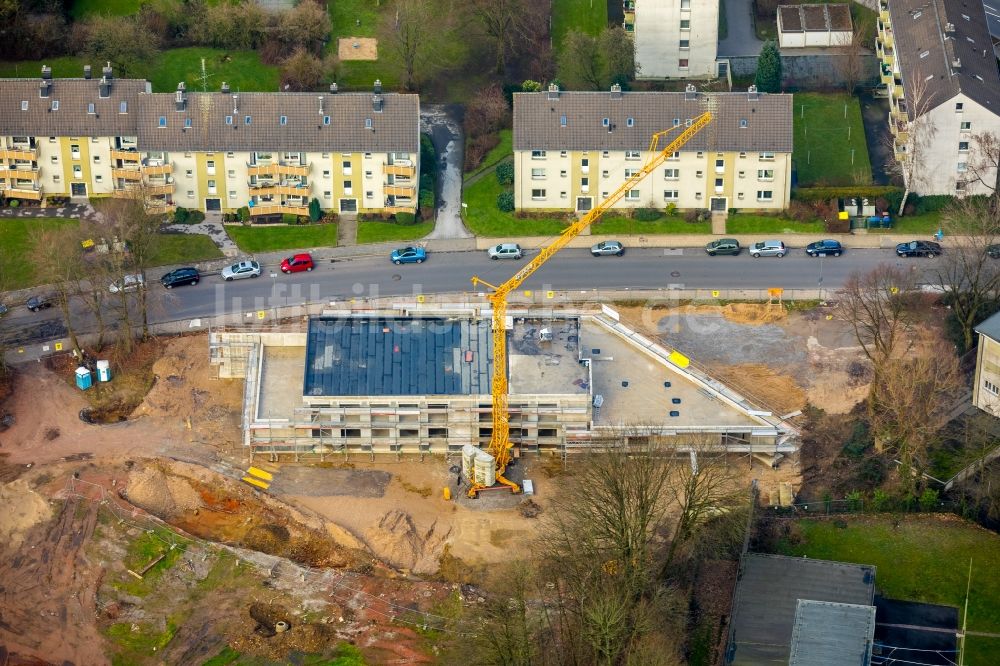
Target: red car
<point>297,264</point>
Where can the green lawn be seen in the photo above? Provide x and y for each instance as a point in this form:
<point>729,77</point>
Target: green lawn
<point>275,238</point>
<point>824,140</point>
<point>484,218</point>
<point>503,149</point>
<point>62,67</point>
<point>665,225</point>
<point>16,248</point>
<point>746,223</point>
<point>354,18</point>
<point>184,249</point>
<point>380,232</point>
<point>590,16</point>
<point>925,559</point>
<point>84,8</point>
<point>925,224</point>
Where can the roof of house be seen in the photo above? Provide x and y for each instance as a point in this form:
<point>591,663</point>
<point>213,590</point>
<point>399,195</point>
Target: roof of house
<point>990,327</point>
<point>815,18</point>
<point>627,120</point>
<point>316,122</point>
<point>348,356</point>
<point>832,634</point>
<point>767,600</point>
<point>944,49</point>
<point>66,111</point>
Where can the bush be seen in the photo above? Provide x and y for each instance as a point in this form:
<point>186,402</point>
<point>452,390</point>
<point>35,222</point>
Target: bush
<point>426,199</point>
<point>428,156</point>
<point>800,211</point>
<point>289,218</point>
<point>505,174</point>
<point>932,203</point>
<point>14,203</point>
<point>837,226</point>
<point>881,500</point>
<point>854,500</point>
<point>647,214</point>
<point>671,209</point>
<point>505,201</point>
<point>405,218</point>
<point>195,216</point>
<point>181,215</point>
<point>243,214</point>
<point>929,498</point>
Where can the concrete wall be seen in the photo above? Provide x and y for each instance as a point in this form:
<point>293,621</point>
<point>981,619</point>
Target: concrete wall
<point>810,71</point>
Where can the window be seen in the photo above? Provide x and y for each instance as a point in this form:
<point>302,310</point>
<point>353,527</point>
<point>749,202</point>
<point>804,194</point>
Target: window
<point>720,166</point>
<point>368,174</point>
<point>562,173</point>
<point>562,195</point>
<point>537,174</point>
<point>740,196</point>
<point>562,121</point>
<point>347,186</point>
<point>75,151</point>
<point>699,174</point>
<point>585,164</point>
<point>55,178</point>
<point>210,167</point>
<point>632,155</point>
<point>682,63</point>
<point>369,194</point>
<point>326,120</point>
<point>766,157</point>
<point>675,156</point>
<point>606,122</point>
<point>90,108</point>
<point>630,172</point>
<point>963,146</point>
<point>630,122</point>
<point>685,43</point>
<point>685,24</point>
<point>718,185</point>
<point>97,159</point>
<point>283,120</point>
<point>604,174</point>
<point>605,153</point>
<point>671,174</point>
<point>229,120</point>
<point>55,105</point>
<point>190,194</point>
<point>632,195</point>
<point>563,153</point>
<point>24,105</point>
<point>677,122</point>
<point>765,195</point>
<point>963,167</point>
<point>189,173</point>
<point>537,194</point>
<point>232,194</point>
<point>123,107</point>
<point>697,195</point>
<point>187,123</point>
<point>685,5</point>
<point>585,184</point>
<point>162,121</point>
<point>327,194</point>
<point>743,156</point>
<point>991,387</point>
<point>55,159</point>
<point>98,178</point>
<point>965,126</point>
<point>211,187</point>
<point>959,106</point>
<point>538,154</point>
<point>77,171</point>
<point>743,123</point>
<point>742,174</point>
<point>671,195</point>
<point>765,174</point>
<point>546,432</point>
<point>326,174</point>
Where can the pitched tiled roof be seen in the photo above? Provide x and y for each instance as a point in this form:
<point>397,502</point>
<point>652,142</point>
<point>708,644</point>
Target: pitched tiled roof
<point>959,53</point>
<point>72,117</point>
<point>395,128</point>
<point>575,121</point>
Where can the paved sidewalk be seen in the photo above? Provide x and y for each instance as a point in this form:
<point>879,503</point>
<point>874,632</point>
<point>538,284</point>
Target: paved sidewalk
<point>73,211</point>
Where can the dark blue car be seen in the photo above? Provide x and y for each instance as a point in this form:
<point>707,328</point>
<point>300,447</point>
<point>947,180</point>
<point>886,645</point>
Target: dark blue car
<point>409,255</point>
<point>824,247</point>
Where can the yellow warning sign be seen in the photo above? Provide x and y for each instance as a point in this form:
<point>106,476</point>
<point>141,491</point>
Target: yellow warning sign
<point>20,350</point>
<point>715,293</point>
<point>59,346</point>
<point>420,298</point>
<point>527,292</point>
<point>775,292</point>
<point>679,359</point>
<point>893,290</point>
<point>550,294</point>
<point>261,314</point>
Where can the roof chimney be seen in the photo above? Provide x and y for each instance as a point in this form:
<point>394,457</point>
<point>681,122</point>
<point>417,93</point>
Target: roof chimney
<point>46,72</point>
<point>44,88</point>
<point>236,104</point>
<point>333,88</point>
<point>690,92</point>
<point>107,72</point>
<point>377,101</point>
<point>87,72</point>
<point>956,63</point>
<point>320,98</point>
<point>105,87</point>
<point>616,91</point>
<point>752,94</point>
<point>378,86</point>
<point>553,93</point>
<point>225,88</point>
<point>180,97</point>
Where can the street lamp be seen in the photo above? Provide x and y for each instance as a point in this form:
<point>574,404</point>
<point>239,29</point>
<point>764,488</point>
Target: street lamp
<point>465,210</point>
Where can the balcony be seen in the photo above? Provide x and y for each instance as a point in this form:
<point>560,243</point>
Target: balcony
<point>19,171</point>
<point>258,210</point>
<point>400,169</point>
<point>23,192</point>
<point>900,130</point>
<point>157,169</point>
<point>155,206</point>
<point>399,209</point>
<point>126,173</point>
<point>897,88</point>
<point>19,153</point>
<point>150,190</point>
<point>278,169</point>
<point>400,190</point>
<point>286,189</point>
<point>127,155</point>
<point>885,75</point>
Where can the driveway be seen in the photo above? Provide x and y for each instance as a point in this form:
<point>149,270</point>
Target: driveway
<point>444,125</point>
<point>741,39</point>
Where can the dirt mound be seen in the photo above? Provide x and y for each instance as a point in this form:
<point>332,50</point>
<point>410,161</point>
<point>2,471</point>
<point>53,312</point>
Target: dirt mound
<point>763,385</point>
<point>753,313</point>
<point>397,541</point>
<point>23,509</point>
<point>162,494</point>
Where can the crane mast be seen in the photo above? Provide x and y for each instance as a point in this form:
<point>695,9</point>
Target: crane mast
<point>500,445</point>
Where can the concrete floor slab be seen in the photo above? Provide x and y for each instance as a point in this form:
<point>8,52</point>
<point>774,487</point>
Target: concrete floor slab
<point>552,367</point>
<point>281,377</point>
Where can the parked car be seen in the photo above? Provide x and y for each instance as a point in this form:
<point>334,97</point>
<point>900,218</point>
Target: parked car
<point>3,309</point>
<point>608,247</point>
<point>993,251</point>
<point>506,251</point>
<point>768,248</point>
<point>244,269</point>
<point>297,263</point>
<point>408,255</point>
<point>824,247</point>
<point>180,276</point>
<point>918,248</point>
<point>132,282</point>
<point>723,246</point>
<point>36,303</point>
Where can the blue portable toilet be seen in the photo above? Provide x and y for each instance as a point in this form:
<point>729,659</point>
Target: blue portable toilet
<point>83,378</point>
<point>104,371</point>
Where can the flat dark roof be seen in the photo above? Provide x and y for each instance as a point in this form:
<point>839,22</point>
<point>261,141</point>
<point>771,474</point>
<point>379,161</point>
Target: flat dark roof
<point>356,356</point>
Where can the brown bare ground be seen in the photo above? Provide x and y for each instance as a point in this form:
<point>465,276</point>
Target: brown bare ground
<point>366,49</point>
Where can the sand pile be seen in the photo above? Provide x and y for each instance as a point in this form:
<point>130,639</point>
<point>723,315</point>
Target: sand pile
<point>161,494</point>
<point>23,509</point>
<point>397,541</point>
<point>754,313</point>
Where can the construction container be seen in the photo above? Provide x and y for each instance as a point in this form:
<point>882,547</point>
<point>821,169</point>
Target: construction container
<point>104,371</point>
<point>469,453</point>
<point>486,469</point>
<point>528,487</point>
<point>84,380</point>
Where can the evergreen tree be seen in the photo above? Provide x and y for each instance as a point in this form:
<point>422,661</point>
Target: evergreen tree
<point>768,77</point>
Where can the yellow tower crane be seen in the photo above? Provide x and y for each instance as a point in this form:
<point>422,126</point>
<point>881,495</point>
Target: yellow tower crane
<point>500,444</point>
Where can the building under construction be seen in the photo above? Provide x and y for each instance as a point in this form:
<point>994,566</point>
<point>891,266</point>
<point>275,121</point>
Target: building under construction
<point>417,380</point>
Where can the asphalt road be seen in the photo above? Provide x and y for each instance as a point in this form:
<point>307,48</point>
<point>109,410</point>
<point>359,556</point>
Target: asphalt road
<point>451,272</point>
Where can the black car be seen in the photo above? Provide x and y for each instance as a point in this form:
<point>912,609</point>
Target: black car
<point>824,247</point>
<point>993,251</point>
<point>36,303</point>
<point>180,276</point>
<point>918,248</point>
<point>723,246</point>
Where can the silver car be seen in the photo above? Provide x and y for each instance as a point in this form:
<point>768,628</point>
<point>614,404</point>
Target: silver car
<point>605,248</point>
<point>127,283</point>
<point>244,269</point>
<point>768,248</point>
<point>506,251</point>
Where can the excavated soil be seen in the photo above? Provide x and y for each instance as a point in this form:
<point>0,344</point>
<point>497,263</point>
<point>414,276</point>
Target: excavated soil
<point>23,508</point>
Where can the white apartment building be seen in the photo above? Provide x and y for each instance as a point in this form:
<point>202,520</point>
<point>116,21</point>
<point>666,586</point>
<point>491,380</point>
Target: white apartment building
<point>572,149</point>
<point>674,39</point>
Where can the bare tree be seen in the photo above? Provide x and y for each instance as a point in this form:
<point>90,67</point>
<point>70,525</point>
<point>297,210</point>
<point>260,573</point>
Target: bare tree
<point>92,283</point>
<point>580,63</point>
<point>58,257</point>
<point>912,160</point>
<point>5,284</point>
<point>966,274</point>
<point>508,24</point>
<point>422,35</point>
<point>984,165</point>
<point>851,60</point>
<point>140,232</point>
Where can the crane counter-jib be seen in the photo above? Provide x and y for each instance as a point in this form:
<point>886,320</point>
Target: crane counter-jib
<point>500,444</point>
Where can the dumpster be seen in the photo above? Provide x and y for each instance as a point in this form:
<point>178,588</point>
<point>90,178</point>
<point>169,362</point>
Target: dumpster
<point>104,371</point>
<point>83,378</point>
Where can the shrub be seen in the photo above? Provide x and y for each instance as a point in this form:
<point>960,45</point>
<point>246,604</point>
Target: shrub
<point>691,215</point>
<point>647,214</point>
<point>800,211</point>
<point>880,500</point>
<point>405,218</point>
<point>181,215</point>
<point>505,201</point>
<point>854,500</point>
<point>315,210</point>
<point>928,499</point>
<point>837,226</point>
<point>428,156</point>
<point>671,209</point>
<point>289,218</point>
<point>870,192</point>
<point>860,440</point>
<point>14,203</point>
<point>244,214</point>
<point>195,216</point>
<point>505,174</point>
<point>932,203</point>
<point>426,199</point>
